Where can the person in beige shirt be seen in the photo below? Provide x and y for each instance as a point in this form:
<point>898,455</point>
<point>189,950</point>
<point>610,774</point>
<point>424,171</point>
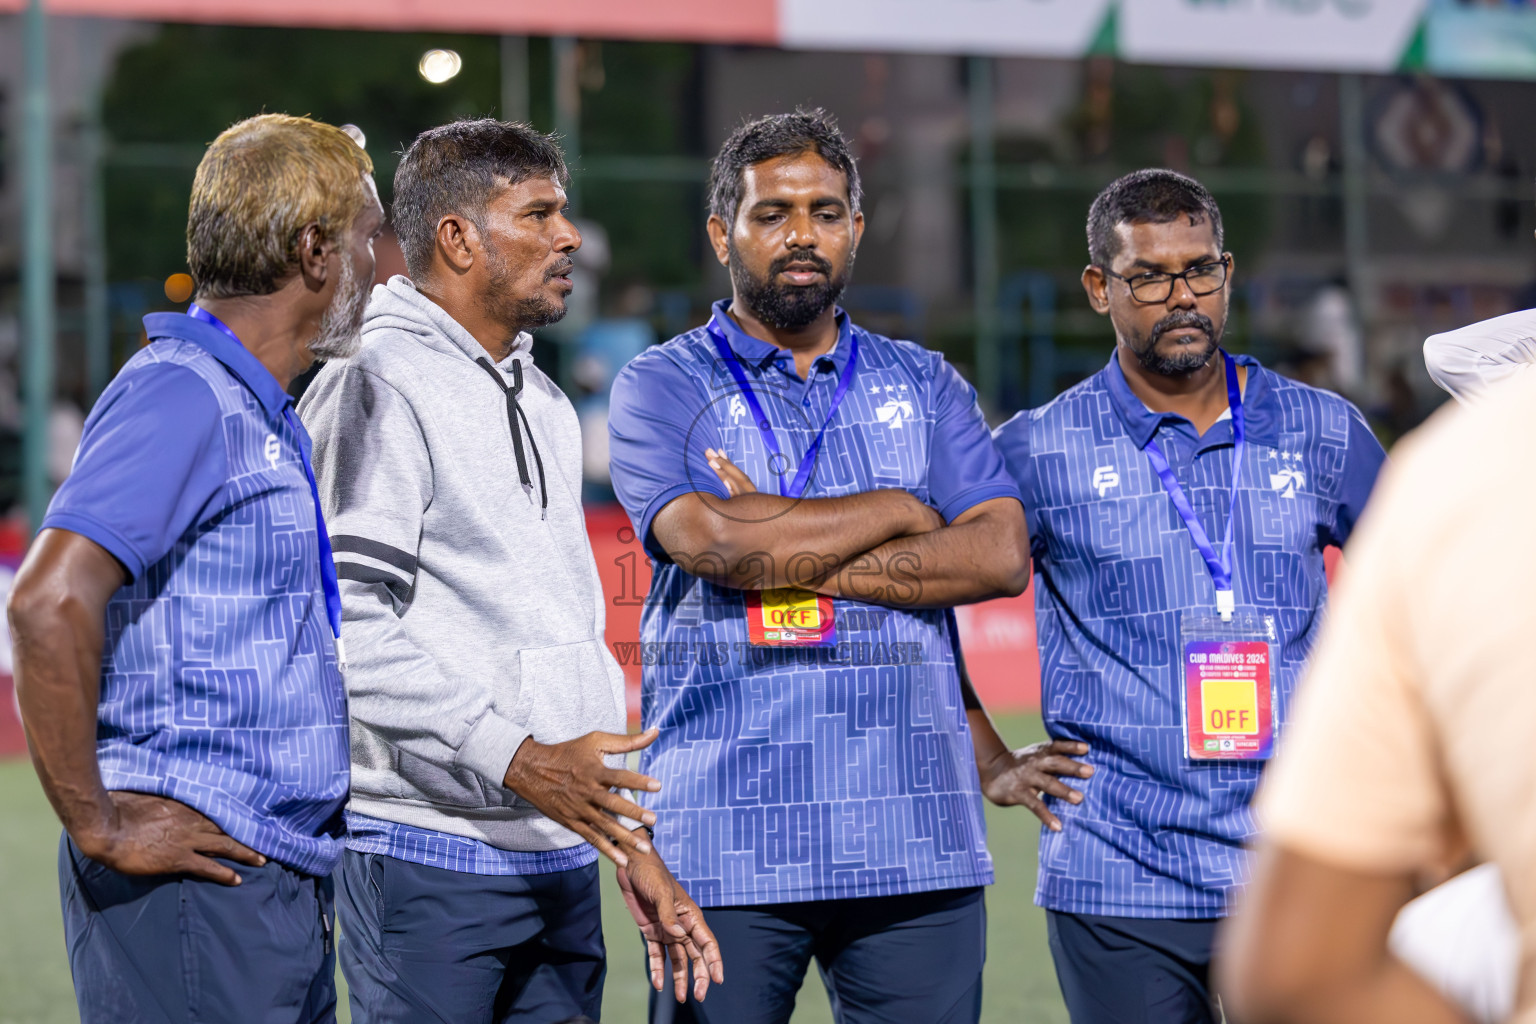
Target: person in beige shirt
<point>1412,752</point>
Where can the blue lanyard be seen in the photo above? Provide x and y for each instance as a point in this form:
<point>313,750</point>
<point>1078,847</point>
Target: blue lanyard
<point>1221,567</point>
<point>803,474</point>
<point>327,564</point>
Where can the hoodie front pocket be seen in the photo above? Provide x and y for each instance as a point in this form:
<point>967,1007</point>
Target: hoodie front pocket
<point>447,787</point>
<point>563,692</point>
<point>566,692</point>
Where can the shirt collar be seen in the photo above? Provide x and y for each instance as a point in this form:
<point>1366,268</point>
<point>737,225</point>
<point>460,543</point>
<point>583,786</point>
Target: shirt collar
<point>762,354</point>
<point>1261,410</point>
<point>235,357</point>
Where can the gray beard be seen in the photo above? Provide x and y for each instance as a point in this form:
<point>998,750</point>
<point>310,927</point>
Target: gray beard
<point>341,325</point>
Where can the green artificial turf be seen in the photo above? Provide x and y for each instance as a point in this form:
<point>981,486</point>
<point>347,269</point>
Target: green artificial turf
<point>34,974</point>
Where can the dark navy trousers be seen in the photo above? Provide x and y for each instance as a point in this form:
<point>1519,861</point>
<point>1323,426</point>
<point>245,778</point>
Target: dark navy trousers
<point>167,949</point>
<point>1127,970</point>
<point>884,960</point>
<point>423,945</point>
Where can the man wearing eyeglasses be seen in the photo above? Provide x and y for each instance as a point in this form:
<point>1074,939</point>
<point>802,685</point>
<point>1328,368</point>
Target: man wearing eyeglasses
<point>1179,502</point>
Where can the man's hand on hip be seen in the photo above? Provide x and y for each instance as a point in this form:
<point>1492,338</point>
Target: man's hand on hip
<point>673,928</point>
<point>153,835</point>
<point>1026,775</point>
<point>569,783</point>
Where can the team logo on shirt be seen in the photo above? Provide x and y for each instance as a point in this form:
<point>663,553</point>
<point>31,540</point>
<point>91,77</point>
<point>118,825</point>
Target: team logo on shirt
<point>1105,478</point>
<point>273,450</point>
<point>1287,478</point>
<point>895,411</point>
<point>897,408</point>
<point>737,409</point>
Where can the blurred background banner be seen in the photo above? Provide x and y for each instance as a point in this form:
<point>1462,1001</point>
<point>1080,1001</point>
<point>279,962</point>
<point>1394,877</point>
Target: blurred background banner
<point>1336,35</point>
<point>1040,28</point>
<point>1494,38</point>
<point>743,21</point>
<point>1485,40</point>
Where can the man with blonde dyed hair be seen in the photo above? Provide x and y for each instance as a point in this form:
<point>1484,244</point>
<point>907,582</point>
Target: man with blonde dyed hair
<point>177,620</point>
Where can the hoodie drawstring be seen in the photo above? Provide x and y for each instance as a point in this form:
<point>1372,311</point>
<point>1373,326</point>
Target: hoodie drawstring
<point>514,412</point>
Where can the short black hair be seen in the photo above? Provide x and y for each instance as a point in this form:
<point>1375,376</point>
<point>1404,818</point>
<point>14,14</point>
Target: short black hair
<point>1152,196</point>
<point>457,168</point>
<point>777,135</point>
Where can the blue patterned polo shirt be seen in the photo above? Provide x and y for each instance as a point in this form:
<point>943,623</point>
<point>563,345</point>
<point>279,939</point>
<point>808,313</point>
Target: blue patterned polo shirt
<point>219,682</point>
<point>792,775</point>
<point>1158,835</point>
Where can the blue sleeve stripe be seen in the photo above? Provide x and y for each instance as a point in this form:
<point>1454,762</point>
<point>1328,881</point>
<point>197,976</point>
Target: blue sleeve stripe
<point>101,534</point>
<point>660,502</point>
<point>968,500</point>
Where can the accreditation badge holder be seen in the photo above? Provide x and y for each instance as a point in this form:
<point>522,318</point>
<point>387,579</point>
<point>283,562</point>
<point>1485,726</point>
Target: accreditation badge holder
<point>1228,691</point>
<point>790,617</point>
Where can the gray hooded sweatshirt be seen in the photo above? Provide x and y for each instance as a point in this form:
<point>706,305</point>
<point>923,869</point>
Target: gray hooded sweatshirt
<point>472,614</point>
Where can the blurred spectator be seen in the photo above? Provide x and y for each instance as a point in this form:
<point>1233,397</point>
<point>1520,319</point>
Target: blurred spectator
<point>1469,361</point>
<point>1462,938</point>
<point>1422,681</point>
<point>1331,330</point>
<point>65,425</point>
<point>602,351</point>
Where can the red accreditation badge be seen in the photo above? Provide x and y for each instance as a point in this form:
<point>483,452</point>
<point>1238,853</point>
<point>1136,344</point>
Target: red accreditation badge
<point>1228,692</point>
<point>790,617</point>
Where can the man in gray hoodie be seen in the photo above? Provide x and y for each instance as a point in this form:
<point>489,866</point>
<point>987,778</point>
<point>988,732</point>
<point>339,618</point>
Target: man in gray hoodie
<point>487,713</point>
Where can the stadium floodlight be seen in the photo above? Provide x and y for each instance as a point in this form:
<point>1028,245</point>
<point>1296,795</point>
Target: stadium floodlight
<point>438,66</point>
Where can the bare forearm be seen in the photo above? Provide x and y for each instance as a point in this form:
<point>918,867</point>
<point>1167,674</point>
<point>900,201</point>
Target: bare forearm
<point>1309,942</point>
<point>975,559</point>
<point>57,612</point>
<point>1390,992</point>
<point>758,541</point>
<point>57,659</point>
<point>985,740</point>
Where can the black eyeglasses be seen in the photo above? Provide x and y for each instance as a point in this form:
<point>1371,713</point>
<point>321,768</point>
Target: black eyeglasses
<point>1201,279</point>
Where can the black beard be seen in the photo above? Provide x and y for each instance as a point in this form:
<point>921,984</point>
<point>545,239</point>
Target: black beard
<point>1188,360</point>
<point>788,307</point>
<point>527,313</point>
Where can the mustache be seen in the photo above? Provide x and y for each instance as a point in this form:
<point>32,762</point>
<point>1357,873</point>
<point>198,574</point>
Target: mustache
<point>563,267</point>
<point>1181,319</point>
<point>800,260</point>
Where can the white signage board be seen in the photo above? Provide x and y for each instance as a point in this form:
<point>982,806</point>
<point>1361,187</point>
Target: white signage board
<point>1323,35</point>
<point>1482,41</point>
<point>1034,28</point>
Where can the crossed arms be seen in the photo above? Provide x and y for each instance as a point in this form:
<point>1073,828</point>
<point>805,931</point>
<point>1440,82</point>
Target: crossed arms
<point>881,547</point>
